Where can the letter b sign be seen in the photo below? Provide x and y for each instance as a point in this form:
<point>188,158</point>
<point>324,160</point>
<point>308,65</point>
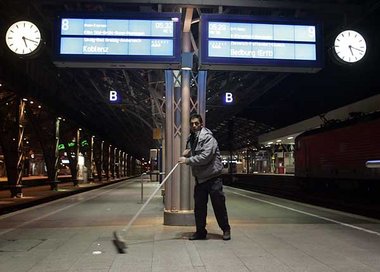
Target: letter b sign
<point>113,96</point>
<point>228,98</point>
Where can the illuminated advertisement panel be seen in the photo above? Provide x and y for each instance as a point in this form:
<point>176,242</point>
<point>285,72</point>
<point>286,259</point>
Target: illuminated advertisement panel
<point>140,40</point>
<point>261,44</point>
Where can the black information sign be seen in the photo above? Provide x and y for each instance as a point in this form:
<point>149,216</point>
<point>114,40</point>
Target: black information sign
<point>139,40</point>
<point>252,43</point>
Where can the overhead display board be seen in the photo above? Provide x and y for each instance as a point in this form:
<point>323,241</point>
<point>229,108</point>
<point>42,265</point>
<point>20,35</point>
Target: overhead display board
<point>139,40</point>
<point>230,42</point>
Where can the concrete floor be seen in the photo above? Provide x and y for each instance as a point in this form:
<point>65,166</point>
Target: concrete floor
<point>268,234</point>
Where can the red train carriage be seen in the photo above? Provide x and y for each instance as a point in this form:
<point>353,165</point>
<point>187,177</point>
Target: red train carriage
<point>340,151</point>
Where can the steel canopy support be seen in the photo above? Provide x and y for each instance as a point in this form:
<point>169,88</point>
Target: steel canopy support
<point>179,202</point>
<point>54,183</point>
<point>185,127</point>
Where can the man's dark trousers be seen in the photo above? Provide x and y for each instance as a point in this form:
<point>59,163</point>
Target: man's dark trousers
<point>214,187</point>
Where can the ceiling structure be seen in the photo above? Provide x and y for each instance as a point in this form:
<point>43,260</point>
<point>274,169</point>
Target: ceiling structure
<point>265,101</point>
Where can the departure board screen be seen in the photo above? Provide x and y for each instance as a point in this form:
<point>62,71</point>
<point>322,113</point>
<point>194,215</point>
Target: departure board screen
<point>141,38</point>
<point>251,43</point>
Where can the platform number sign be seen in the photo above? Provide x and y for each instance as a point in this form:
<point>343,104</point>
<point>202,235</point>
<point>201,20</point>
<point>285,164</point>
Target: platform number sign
<point>114,97</point>
<point>228,98</point>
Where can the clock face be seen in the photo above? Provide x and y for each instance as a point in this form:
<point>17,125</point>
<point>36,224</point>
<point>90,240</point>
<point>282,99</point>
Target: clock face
<point>350,46</point>
<point>23,38</point>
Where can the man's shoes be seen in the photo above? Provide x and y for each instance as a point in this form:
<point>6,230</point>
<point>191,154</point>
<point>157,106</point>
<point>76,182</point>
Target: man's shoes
<point>197,236</point>
<point>227,235</point>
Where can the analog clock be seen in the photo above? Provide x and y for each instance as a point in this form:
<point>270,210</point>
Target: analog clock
<point>23,38</point>
<point>349,46</point>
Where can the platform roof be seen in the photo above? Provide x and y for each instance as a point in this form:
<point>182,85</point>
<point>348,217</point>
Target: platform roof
<point>266,101</point>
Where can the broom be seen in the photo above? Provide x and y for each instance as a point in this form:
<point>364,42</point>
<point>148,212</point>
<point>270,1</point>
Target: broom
<point>119,236</point>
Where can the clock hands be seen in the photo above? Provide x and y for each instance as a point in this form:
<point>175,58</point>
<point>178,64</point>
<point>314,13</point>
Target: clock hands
<point>352,53</point>
<point>356,48</point>
<point>349,47</point>
<point>24,38</point>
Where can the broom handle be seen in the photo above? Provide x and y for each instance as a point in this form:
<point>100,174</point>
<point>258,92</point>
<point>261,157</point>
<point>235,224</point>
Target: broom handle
<point>149,199</point>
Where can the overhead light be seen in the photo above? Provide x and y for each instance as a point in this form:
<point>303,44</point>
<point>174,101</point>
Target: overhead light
<point>195,21</point>
<point>270,143</point>
<point>278,141</point>
<point>187,61</point>
<point>289,138</point>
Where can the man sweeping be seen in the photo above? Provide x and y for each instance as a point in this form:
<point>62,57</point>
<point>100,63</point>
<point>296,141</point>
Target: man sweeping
<point>202,154</point>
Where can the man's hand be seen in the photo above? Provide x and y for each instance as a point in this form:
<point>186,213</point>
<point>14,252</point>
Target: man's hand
<point>186,153</point>
<point>182,160</point>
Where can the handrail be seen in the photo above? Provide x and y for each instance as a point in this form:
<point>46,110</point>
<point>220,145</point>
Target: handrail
<point>142,183</point>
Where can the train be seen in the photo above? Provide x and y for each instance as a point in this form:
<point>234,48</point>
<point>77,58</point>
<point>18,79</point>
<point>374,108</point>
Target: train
<point>340,150</point>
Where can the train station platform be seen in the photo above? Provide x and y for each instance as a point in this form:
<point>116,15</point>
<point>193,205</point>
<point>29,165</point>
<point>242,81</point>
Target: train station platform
<point>75,233</point>
<point>36,191</point>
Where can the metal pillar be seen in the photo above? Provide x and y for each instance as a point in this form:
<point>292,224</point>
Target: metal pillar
<point>91,159</point>
<point>109,162</point>
<point>100,175</point>
<point>114,157</point>
<point>119,170</point>
<point>20,148</point>
<point>172,151</point>
<point>185,127</point>
<point>121,163</point>
<point>77,140</point>
<point>179,201</point>
<point>201,94</point>
<point>125,156</point>
<point>124,164</point>
<point>128,165</point>
<point>106,164</point>
<point>178,206</point>
<point>54,182</point>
